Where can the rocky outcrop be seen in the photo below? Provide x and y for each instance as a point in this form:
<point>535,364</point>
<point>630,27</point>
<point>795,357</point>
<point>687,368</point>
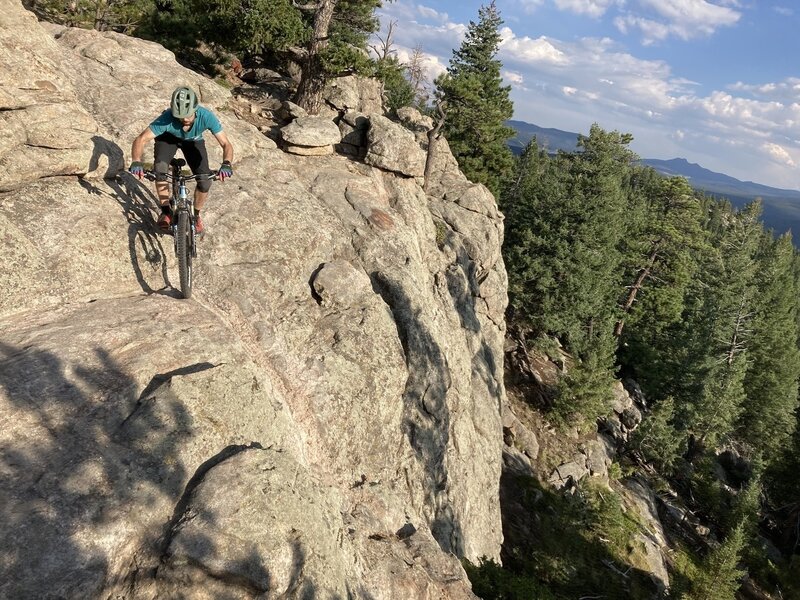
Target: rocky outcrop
<point>394,148</point>
<point>626,415</point>
<point>311,136</point>
<point>353,128</point>
<point>322,418</point>
<point>651,536</point>
<point>354,93</point>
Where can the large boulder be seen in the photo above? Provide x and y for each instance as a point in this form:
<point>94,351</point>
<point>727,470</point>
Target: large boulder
<point>353,93</point>
<point>569,473</point>
<point>641,498</point>
<point>311,131</point>
<point>392,147</point>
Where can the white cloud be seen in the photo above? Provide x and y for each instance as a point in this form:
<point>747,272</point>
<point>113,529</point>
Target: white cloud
<point>592,8</point>
<point>531,5</point>
<point>783,10</point>
<point>433,14</point>
<point>423,26</point>
<point>785,91</point>
<point>513,78</point>
<point>570,84</point>
<point>652,31</point>
<point>684,19</point>
<point>778,153</point>
<point>529,50</point>
<point>432,65</point>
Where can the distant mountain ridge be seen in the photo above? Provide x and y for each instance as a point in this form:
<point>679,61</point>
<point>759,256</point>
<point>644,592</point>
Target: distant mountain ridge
<point>781,207</point>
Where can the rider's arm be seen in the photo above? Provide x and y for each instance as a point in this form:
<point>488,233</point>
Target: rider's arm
<point>225,143</point>
<point>137,149</point>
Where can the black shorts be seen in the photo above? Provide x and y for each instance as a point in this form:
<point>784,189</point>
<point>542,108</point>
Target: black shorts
<point>194,151</point>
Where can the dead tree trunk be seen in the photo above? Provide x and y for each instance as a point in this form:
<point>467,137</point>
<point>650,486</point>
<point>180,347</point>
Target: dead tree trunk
<point>644,273</point>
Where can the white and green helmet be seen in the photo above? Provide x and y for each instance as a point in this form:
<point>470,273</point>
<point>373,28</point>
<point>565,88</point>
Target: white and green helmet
<point>184,102</point>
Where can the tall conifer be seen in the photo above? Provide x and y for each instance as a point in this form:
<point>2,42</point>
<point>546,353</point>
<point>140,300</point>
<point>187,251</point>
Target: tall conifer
<point>565,219</point>
<point>768,419</point>
<point>720,577</point>
<point>478,104</point>
<point>726,314</point>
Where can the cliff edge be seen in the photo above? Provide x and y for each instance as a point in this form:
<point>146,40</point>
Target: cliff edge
<point>321,420</point>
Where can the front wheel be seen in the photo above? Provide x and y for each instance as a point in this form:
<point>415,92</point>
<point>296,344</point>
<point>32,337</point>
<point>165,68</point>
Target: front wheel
<point>184,252</point>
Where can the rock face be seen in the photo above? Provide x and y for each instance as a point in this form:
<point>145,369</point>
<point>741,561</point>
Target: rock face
<point>354,93</point>
<point>392,147</point>
<point>626,416</point>
<point>651,535</point>
<point>320,420</point>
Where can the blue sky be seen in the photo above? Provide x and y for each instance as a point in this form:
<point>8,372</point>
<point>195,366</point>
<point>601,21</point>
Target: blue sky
<point>714,81</point>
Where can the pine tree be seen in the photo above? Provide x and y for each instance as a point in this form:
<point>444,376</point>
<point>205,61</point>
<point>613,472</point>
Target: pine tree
<point>339,30</point>
<point>390,71</point>
<point>565,218</point>
<point>397,88</point>
<point>658,251</point>
<point>657,439</point>
<point>661,255</point>
<point>768,419</point>
<point>252,26</point>
<point>719,578</point>
<point>728,312</point>
<point>478,105</point>
<point>103,15</point>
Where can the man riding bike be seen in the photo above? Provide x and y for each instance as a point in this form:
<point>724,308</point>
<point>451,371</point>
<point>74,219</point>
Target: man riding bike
<point>182,126</point>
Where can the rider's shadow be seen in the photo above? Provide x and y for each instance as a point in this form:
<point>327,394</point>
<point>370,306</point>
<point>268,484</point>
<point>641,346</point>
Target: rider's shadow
<point>136,201</point>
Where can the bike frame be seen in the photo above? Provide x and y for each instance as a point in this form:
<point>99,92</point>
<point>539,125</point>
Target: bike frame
<point>181,201</point>
<point>181,205</point>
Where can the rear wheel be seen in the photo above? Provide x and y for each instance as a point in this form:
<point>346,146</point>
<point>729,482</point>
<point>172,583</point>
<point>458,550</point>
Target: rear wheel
<point>184,252</point>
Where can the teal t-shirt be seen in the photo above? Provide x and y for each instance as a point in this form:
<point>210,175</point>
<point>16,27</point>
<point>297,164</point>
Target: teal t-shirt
<point>203,119</point>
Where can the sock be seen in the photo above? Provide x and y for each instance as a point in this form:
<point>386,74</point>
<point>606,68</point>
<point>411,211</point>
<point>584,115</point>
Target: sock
<point>165,208</point>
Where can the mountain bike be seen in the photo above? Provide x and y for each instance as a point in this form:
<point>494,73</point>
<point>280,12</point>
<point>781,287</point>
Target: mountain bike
<point>182,226</point>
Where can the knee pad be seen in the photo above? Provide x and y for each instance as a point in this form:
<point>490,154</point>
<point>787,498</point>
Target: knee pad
<point>204,184</point>
<point>161,168</point>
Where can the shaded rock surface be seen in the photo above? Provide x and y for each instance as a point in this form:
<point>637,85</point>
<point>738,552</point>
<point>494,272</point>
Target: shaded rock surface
<point>321,420</point>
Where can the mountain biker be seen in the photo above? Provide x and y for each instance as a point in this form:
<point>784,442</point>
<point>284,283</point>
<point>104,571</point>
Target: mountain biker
<point>182,126</point>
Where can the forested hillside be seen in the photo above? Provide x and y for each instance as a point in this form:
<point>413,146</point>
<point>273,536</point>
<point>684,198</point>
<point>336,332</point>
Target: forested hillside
<point>631,274</point>
<point>780,207</point>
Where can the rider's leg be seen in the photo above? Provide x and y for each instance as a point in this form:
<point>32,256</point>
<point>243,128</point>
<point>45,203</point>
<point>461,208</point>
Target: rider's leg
<point>197,158</point>
<point>165,149</point>
<point>199,199</point>
<point>162,190</point>
<point>166,146</point>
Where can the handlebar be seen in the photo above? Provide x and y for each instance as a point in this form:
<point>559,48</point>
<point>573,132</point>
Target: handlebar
<point>151,176</point>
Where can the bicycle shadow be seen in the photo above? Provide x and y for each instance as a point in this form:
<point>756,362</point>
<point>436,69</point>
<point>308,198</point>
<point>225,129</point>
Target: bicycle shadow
<point>136,202</point>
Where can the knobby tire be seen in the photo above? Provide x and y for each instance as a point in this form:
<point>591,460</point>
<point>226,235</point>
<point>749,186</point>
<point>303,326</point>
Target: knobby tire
<point>184,251</point>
